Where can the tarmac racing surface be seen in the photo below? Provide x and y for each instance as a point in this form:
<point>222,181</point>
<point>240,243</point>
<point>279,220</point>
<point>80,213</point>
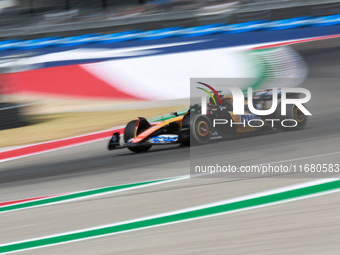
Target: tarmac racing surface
<point>306,222</point>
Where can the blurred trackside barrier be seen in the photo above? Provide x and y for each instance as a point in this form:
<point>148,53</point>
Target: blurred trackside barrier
<point>170,32</point>
<point>114,79</point>
<point>10,115</point>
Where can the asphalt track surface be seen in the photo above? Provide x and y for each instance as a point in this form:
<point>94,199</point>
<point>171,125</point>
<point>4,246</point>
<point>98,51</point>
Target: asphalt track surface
<point>308,226</point>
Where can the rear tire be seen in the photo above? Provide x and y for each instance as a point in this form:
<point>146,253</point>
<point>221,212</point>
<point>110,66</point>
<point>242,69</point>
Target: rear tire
<point>131,132</point>
<point>292,112</point>
<point>200,129</point>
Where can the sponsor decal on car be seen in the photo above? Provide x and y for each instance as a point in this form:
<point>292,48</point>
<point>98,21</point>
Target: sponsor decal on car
<point>164,139</point>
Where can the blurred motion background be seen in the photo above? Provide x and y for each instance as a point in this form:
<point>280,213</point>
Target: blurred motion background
<point>65,61</point>
<point>22,14</point>
<point>78,68</point>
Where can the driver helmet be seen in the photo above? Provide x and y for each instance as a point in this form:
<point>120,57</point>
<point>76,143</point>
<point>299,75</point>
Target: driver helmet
<point>228,99</point>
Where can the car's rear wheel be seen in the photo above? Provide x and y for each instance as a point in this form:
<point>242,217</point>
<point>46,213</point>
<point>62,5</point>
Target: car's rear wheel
<point>292,113</point>
<point>131,131</point>
<point>200,129</point>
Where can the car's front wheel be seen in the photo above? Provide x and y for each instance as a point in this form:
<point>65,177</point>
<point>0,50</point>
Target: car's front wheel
<point>131,131</point>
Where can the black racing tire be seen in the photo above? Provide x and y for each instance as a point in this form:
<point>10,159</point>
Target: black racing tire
<point>292,112</point>
<point>131,132</point>
<point>200,129</point>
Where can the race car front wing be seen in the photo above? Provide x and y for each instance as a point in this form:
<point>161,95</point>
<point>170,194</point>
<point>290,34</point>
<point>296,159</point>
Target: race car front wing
<point>156,140</point>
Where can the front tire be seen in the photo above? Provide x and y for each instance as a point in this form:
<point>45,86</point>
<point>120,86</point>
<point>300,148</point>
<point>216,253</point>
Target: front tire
<point>131,131</point>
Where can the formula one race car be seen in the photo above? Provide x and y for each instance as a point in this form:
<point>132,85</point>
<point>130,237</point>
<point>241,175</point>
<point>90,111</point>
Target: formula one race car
<point>218,123</point>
